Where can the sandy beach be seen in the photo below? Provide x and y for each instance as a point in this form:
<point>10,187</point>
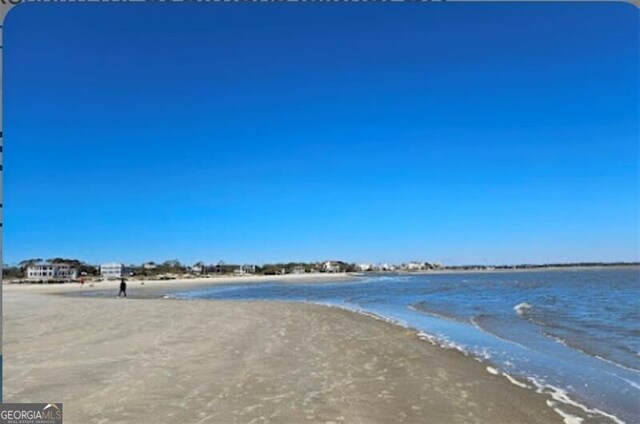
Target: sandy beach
<point>151,288</point>
<point>143,360</point>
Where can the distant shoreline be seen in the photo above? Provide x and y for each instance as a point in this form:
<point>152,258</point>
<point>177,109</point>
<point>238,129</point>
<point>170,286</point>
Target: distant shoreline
<point>310,278</point>
<point>533,268</point>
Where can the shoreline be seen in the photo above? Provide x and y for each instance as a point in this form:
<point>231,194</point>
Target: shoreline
<point>557,400</point>
<point>536,269</point>
<point>153,286</point>
<point>346,326</point>
<point>317,277</point>
<point>314,278</point>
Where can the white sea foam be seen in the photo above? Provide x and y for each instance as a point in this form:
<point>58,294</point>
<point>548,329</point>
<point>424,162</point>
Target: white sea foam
<point>512,380</point>
<point>356,309</point>
<point>516,382</point>
<point>438,340</point>
<point>444,342</point>
<point>557,394</point>
<point>522,308</point>
<point>561,395</point>
<point>567,418</point>
<point>484,354</point>
<point>556,339</point>
<point>492,371</point>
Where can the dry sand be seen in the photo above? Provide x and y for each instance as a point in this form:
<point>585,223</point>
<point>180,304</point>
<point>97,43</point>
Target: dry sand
<point>172,361</point>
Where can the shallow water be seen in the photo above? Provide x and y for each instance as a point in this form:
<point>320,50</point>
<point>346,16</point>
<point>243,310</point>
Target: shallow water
<point>571,333</point>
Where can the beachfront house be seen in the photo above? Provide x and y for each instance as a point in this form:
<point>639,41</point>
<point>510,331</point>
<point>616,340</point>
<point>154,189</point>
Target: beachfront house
<point>248,269</point>
<point>113,270</point>
<point>43,271</point>
<point>364,267</point>
<point>383,267</point>
<point>331,266</point>
<point>199,268</point>
<point>298,270</point>
<point>416,266</point>
<point>245,269</point>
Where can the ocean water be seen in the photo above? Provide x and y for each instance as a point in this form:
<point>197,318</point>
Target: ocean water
<point>574,334</point>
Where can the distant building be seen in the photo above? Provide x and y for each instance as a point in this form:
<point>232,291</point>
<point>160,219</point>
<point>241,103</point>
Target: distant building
<point>199,269</point>
<point>50,271</point>
<point>330,266</point>
<point>298,270</point>
<point>416,266</point>
<point>149,265</point>
<point>248,269</point>
<point>113,270</point>
<point>245,269</point>
<point>384,267</point>
<point>364,267</point>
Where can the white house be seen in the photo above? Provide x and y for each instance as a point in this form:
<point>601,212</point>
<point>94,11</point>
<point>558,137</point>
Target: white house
<point>384,267</point>
<point>113,270</point>
<point>51,271</point>
<point>245,269</point>
<point>248,269</point>
<point>364,267</point>
<point>298,270</point>
<point>330,266</point>
<point>415,266</point>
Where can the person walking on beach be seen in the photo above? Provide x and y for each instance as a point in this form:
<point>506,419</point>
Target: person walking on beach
<point>123,288</point>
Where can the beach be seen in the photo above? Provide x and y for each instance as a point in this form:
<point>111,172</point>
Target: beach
<point>157,360</point>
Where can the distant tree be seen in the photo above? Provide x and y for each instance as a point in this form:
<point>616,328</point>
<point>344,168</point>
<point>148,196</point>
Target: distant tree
<point>87,269</point>
<point>82,267</point>
<point>27,262</point>
<point>172,266</point>
<point>172,263</point>
<point>61,261</point>
<point>350,267</point>
<point>12,272</point>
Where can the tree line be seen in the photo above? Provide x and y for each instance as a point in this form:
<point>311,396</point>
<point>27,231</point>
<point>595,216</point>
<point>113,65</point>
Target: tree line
<point>174,266</point>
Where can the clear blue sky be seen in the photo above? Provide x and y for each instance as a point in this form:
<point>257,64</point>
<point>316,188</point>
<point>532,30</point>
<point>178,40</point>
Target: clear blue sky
<point>462,133</point>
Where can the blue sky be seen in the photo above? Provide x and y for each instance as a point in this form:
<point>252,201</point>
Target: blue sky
<point>462,133</point>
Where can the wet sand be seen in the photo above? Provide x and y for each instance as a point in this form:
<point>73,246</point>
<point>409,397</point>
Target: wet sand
<point>171,361</point>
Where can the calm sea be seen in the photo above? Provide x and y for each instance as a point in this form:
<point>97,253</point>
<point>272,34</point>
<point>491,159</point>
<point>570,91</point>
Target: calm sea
<point>574,334</point>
